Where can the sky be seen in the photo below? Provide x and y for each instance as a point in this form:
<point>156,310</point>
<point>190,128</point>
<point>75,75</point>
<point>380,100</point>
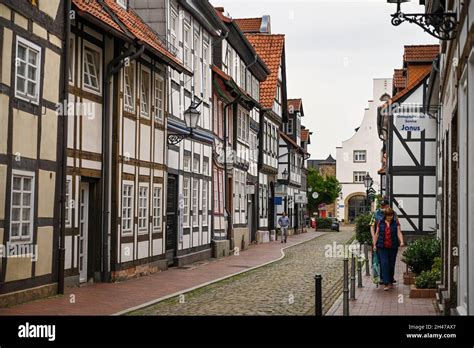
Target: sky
<point>334,49</point>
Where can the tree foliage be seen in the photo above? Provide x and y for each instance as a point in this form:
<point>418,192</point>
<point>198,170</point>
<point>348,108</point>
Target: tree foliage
<point>328,188</point>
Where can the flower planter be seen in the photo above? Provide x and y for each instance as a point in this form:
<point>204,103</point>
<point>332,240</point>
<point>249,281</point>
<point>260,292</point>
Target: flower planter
<point>408,278</point>
<point>422,293</point>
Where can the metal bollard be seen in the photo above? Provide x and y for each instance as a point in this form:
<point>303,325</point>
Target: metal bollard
<point>318,299</point>
<point>345,288</point>
<point>359,273</point>
<point>366,253</point>
<point>353,277</point>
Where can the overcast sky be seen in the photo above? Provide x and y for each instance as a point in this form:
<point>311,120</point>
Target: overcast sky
<point>334,48</point>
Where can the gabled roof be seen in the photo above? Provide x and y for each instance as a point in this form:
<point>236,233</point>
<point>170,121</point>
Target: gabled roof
<point>295,105</point>
<point>420,53</point>
<point>415,81</point>
<point>270,48</point>
<point>133,24</point>
<point>305,133</point>
<point>249,25</point>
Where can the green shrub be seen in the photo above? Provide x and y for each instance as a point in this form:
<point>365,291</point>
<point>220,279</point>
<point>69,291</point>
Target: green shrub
<point>363,228</point>
<point>323,223</point>
<point>421,254</point>
<point>428,279</point>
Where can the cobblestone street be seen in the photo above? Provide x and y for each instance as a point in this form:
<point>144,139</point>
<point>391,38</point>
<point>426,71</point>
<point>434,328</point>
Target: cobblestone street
<point>285,287</point>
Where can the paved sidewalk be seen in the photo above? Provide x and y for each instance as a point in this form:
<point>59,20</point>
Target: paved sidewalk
<point>113,298</point>
<point>371,300</point>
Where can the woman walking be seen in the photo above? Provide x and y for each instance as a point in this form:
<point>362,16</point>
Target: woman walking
<point>388,238</point>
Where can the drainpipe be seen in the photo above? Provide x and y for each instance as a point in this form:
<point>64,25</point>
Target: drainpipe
<point>229,219</point>
<point>63,160</point>
<point>112,68</point>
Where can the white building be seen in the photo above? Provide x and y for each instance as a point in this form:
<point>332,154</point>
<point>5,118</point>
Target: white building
<point>359,155</point>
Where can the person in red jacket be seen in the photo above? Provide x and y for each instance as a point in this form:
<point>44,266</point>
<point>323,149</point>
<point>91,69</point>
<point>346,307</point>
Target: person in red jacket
<point>387,239</point>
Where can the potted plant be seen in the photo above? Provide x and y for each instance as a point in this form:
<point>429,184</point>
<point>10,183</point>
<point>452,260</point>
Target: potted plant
<point>425,284</point>
<point>419,256</point>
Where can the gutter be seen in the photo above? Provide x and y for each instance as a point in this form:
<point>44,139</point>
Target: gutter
<point>63,160</point>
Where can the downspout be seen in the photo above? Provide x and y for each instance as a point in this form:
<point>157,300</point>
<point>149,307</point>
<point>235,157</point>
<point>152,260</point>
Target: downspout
<point>63,160</point>
<point>112,68</point>
<point>229,219</point>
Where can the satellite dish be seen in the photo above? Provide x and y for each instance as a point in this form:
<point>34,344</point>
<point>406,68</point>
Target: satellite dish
<point>315,195</point>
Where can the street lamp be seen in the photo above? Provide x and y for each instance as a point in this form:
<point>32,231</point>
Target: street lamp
<point>191,118</point>
<point>368,182</point>
<point>439,24</point>
<point>284,175</point>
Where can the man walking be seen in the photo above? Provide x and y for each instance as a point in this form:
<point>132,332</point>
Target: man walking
<point>284,222</point>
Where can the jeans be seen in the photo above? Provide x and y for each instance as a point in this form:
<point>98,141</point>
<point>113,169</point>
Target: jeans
<point>284,232</point>
<point>388,258</point>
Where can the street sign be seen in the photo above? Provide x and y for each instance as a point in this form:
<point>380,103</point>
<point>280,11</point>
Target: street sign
<point>301,199</point>
<point>278,200</point>
<point>410,122</point>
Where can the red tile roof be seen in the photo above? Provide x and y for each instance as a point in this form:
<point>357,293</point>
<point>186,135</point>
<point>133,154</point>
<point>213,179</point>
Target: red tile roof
<point>249,25</point>
<point>294,104</point>
<point>399,81</point>
<point>134,24</point>
<point>270,48</point>
<point>421,53</point>
<point>305,135</point>
<point>421,74</point>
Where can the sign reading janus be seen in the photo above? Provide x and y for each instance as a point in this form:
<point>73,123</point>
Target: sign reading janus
<point>26,250</point>
<point>410,122</point>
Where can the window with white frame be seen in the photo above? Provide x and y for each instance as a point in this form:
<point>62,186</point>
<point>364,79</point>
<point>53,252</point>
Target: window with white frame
<point>27,73</point>
<point>205,166</point>
<point>22,206</point>
<point>157,208</point>
<point>92,71</point>
<point>187,43</point>
<point>196,164</point>
<point>289,126</point>
<point>186,194</point>
<point>204,201</point>
<point>174,26</point>
<point>69,205</point>
<point>143,208</point>
<point>145,93</point>
<point>127,208</point>
<point>159,97</point>
<point>195,201</point>
<point>359,177</point>
<point>215,180</point>
<point>360,155</point>
<point>205,67</point>
<point>129,87</point>
<point>187,162</point>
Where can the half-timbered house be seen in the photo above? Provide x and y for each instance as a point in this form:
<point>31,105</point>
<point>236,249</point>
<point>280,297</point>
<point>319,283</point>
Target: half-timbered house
<point>271,48</point>
<point>31,143</point>
<point>116,164</point>
<point>238,71</point>
<point>410,144</point>
<point>189,28</point>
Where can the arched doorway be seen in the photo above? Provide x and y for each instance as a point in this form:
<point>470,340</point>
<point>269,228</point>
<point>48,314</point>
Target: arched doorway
<point>356,205</point>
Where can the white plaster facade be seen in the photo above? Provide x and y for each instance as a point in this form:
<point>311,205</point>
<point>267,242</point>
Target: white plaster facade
<point>365,139</point>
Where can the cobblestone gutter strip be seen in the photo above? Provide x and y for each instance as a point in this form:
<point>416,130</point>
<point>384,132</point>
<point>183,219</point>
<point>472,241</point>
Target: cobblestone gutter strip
<point>175,294</point>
